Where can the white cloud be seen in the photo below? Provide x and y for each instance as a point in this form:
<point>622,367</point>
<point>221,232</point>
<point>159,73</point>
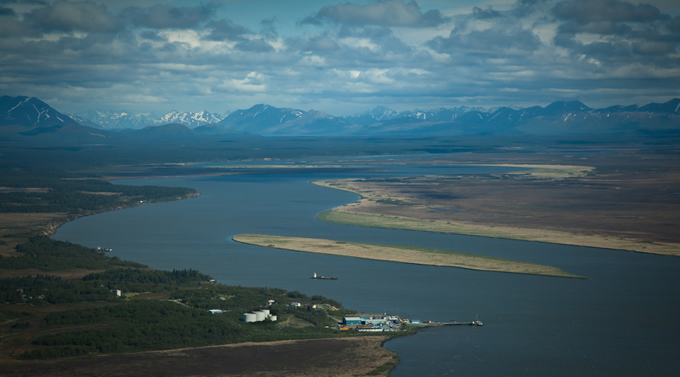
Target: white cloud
<point>253,82</point>
<point>354,42</point>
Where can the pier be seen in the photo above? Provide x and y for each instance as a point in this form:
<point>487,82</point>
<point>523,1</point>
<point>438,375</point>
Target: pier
<point>450,323</point>
<point>456,323</point>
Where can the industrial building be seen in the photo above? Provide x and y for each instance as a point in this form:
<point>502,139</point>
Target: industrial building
<point>351,321</point>
<point>259,316</point>
<point>356,321</point>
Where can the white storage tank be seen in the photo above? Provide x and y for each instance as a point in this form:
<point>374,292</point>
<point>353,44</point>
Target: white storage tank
<point>249,317</point>
<point>260,315</point>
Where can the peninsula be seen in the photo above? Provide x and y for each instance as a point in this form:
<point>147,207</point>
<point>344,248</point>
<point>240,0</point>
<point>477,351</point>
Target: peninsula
<point>564,204</point>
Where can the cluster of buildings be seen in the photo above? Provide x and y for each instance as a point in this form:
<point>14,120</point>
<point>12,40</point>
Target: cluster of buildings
<point>364,324</point>
<point>372,324</point>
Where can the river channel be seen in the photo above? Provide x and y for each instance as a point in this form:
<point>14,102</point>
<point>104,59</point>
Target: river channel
<point>624,320</point>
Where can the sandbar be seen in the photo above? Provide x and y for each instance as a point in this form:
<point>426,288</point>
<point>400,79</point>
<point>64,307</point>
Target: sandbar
<point>402,254</point>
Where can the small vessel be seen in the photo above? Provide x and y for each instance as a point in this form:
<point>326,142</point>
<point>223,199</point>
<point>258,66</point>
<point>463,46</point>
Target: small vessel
<point>323,277</point>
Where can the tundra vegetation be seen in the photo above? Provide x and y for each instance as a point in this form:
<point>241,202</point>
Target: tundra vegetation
<point>631,207</point>
<point>57,299</point>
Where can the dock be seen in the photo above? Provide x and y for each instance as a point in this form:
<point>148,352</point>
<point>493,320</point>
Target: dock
<point>450,323</point>
<point>456,323</point>
<point>394,323</point>
<point>316,277</point>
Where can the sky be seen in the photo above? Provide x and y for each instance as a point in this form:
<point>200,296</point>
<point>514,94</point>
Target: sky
<point>154,56</point>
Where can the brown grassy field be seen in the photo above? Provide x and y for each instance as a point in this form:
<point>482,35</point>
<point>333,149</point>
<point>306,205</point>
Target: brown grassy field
<point>402,254</point>
<point>303,358</point>
<point>14,225</point>
<point>636,209</point>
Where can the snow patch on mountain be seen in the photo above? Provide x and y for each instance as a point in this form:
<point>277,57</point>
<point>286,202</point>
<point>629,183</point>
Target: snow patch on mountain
<point>113,120</point>
<point>191,120</point>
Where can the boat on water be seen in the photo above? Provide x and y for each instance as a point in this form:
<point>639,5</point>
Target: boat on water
<point>317,277</point>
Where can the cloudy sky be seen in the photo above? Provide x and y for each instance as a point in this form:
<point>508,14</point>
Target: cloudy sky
<point>339,57</point>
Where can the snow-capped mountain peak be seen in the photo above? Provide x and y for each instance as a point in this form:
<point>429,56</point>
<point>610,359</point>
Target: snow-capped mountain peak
<point>191,120</point>
<point>112,119</point>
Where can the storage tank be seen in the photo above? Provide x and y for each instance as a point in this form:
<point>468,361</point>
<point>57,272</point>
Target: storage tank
<point>249,317</point>
<point>260,315</point>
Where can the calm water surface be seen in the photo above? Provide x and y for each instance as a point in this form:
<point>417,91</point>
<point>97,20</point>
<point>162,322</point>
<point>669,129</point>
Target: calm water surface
<point>623,321</point>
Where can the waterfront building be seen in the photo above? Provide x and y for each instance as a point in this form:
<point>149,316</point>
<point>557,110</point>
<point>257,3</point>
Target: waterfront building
<point>348,321</point>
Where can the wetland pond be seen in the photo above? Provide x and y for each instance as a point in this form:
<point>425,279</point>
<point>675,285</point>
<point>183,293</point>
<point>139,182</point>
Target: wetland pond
<point>621,321</point>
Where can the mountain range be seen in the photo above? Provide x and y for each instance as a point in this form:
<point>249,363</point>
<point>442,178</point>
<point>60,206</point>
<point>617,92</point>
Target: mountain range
<point>114,120</point>
<point>32,117</point>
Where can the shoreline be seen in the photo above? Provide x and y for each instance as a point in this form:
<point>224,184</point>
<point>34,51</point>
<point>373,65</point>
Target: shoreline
<point>382,362</point>
<point>51,227</point>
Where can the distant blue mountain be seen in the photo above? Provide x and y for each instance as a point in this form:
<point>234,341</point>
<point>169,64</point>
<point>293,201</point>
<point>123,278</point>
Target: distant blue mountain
<point>259,118</point>
<point>30,112</point>
<point>558,118</point>
<point>670,107</point>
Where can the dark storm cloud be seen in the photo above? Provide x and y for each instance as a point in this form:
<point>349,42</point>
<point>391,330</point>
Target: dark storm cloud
<point>382,37</point>
<point>384,13</point>
<point>600,27</point>
<point>484,14</point>
<point>675,24</point>
<point>78,16</point>
<point>319,44</point>
<point>5,12</point>
<point>639,33</point>
<point>494,41</point>
<point>255,45</point>
<point>350,46</point>
<point>225,30</point>
<point>533,50</point>
<point>605,10</point>
<point>34,2</point>
<point>268,28</point>
<point>167,17</point>
<point>606,51</point>
<point>152,36</point>
<point>525,7</point>
<point>11,27</point>
<point>619,52</point>
<point>654,48</point>
<point>529,3</point>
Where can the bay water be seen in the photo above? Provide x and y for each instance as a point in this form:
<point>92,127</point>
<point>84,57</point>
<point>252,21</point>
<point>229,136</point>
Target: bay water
<point>624,320</point>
